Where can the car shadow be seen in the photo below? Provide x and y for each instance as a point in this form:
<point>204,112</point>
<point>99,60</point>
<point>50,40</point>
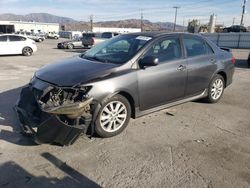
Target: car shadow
<point>14,175</point>
<point>242,63</point>
<point>10,130</point>
<point>11,55</point>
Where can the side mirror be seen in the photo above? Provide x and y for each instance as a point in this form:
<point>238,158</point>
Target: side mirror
<point>148,61</point>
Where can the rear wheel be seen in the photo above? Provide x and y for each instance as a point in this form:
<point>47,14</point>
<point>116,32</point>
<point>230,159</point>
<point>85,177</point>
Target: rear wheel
<point>216,89</point>
<point>113,117</point>
<point>40,40</point>
<point>70,46</point>
<point>27,51</point>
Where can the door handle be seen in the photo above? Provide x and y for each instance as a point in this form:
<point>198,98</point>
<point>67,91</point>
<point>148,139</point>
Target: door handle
<point>213,60</point>
<point>181,68</point>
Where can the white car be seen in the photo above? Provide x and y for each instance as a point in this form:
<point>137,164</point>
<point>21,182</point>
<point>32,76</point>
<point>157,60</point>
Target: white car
<point>16,44</point>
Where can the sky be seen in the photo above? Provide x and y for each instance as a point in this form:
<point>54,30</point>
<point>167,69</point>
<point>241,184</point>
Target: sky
<point>153,10</point>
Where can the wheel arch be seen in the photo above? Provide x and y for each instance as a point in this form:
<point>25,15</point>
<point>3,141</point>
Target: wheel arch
<point>224,75</point>
<point>125,94</point>
<point>130,100</point>
<point>27,47</point>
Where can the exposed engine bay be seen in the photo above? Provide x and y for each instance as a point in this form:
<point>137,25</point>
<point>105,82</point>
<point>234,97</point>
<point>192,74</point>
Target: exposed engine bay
<point>65,111</point>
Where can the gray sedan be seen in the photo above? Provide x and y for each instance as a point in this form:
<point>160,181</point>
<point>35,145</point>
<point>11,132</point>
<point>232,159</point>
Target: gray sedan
<point>127,76</point>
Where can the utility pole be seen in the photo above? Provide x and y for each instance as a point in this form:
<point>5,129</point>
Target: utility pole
<point>243,12</point>
<point>91,23</point>
<point>233,21</point>
<point>141,21</point>
<point>176,8</point>
<point>183,25</point>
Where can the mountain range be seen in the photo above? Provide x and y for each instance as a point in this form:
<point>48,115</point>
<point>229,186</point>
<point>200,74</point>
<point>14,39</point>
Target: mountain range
<point>71,24</point>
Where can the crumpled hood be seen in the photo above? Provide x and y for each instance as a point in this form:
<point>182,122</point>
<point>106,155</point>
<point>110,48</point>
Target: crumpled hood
<point>73,71</point>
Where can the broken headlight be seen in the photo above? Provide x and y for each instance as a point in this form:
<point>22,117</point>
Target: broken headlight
<point>58,96</point>
<point>69,104</point>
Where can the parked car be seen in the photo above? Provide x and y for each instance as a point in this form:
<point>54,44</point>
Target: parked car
<point>16,44</point>
<point>235,28</point>
<point>127,76</point>
<point>70,44</point>
<point>52,35</point>
<point>108,35</point>
<point>35,37</point>
<point>91,39</point>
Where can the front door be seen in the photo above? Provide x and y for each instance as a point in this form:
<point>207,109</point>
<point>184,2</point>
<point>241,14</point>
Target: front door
<point>165,82</point>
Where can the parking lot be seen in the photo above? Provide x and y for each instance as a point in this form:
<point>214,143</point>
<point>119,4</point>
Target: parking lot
<point>191,145</point>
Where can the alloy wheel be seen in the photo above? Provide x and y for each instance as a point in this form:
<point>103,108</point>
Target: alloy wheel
<point>27,51</point>
<point>113,116</point>
<point>217,89</point>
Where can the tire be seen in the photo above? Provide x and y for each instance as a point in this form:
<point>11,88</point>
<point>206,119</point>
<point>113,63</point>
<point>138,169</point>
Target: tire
<point>56,38</point>
<point>70,46</point>
<point>108,118</point>
<point>86,46</point>
<point>248,62</point>
<point>215,89</point>
<point>27,51</point>
<point>40,40</point>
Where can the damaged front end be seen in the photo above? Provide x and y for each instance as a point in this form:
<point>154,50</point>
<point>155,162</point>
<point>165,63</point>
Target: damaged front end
<point>52,114</point>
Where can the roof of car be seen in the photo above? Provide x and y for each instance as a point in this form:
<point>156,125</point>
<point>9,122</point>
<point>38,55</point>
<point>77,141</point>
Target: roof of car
<point>156,34</point>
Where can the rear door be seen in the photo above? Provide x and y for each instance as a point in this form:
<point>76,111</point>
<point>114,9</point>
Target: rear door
<point>165,82</point>
<point>3,45</point>
<point>16,44</point>
<point>201,64</point>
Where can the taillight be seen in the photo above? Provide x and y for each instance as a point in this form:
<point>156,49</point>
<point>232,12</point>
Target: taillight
<point>233,60</point>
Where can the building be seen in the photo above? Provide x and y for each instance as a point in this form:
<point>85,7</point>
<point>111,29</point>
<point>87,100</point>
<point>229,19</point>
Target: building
<point>116,29</point>
<point>34,27</point>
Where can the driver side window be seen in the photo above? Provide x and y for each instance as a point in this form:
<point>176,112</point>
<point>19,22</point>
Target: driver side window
<point>165,50</point>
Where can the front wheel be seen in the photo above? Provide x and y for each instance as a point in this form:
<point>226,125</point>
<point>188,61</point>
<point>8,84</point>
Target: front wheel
<point>113,117</point>
<point>216,89</point>
<point>27,51</point>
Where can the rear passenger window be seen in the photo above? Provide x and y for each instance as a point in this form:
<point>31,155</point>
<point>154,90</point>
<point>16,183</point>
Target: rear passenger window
<point>195,47</point>
<point>16,38</point>
<point>3,38</point>
<point>166,50</point>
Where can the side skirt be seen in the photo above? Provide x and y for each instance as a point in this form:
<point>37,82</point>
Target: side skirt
<point>139,113</point>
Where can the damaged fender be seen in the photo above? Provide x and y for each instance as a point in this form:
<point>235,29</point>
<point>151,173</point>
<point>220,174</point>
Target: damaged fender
<point>52,114</point>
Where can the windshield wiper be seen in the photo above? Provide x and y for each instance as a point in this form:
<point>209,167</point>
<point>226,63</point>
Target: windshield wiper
<point>95,59</point>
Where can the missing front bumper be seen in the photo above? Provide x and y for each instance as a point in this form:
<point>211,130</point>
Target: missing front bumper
<point>46,127</point>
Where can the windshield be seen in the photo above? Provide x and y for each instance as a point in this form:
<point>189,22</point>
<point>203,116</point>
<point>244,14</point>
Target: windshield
<point>117,50</point>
